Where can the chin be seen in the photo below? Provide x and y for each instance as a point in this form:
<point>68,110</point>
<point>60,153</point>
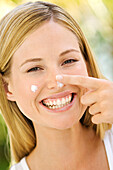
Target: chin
<point>65,125</point>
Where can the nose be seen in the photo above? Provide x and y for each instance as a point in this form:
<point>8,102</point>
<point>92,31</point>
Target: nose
<point>51,84</point>
<point>51,79</point>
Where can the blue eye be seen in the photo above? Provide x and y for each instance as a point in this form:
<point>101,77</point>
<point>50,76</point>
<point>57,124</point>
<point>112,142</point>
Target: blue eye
<point>69,61</point>
<point>34,69</point>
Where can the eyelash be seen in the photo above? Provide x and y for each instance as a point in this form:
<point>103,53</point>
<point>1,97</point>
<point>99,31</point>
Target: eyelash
<point>65,62</point>
<point>34,69</point>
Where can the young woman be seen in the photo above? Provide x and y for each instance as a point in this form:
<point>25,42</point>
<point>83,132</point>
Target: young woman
<point>57,105</point>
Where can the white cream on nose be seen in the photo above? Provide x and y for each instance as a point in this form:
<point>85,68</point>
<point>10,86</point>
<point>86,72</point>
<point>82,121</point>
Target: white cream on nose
<point>60,84</point>
<point>34,88</point>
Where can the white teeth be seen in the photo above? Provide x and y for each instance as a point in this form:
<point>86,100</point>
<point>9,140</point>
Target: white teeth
<point>57,106</point>
<point>53,107</point>
<point>54,104</point>
<point>62,105</point>
<point>58,102</point>
<point>50,102</point>
<point>63,101</point>
<point>47,103</point>
<point>67,99</point>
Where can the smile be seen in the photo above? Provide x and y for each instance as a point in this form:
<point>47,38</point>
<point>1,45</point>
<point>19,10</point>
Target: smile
<point>59,104</point>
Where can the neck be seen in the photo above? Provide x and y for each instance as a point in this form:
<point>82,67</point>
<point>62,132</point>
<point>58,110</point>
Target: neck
<point>59,147</point>
<point>52,140</point>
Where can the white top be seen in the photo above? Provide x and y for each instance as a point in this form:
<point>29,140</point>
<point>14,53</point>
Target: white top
<point>22,165</point>
<point>108,142</point>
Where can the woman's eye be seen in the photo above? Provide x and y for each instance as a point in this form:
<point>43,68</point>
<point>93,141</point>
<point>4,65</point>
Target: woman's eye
<point>69,61</point>
<point>34,69</point>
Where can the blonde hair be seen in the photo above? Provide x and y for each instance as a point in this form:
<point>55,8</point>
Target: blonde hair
<point>15,27</point>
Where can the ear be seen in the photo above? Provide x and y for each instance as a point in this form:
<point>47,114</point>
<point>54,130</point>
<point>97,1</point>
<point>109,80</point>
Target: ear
<point>8,90</point>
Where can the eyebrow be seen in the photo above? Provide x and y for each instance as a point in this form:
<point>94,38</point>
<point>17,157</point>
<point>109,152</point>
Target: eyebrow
<point>68,51</point>
<point>31,60</point>
<point>40,59</point>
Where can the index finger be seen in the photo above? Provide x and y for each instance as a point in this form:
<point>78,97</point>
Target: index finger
<point>87,82</point>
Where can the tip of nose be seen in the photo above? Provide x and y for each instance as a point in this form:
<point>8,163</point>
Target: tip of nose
<point>55,84</point>
<point>59,84</point>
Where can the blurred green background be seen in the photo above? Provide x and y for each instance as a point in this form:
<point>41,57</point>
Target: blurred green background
<point>96,20</point>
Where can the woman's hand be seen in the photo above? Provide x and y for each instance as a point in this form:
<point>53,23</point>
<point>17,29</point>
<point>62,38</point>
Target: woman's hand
<point>99,96</point>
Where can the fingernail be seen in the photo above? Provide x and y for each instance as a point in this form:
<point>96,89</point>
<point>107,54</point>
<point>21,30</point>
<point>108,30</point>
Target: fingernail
<point>34,88</point>
<point>59,77</point>
<point>60,84</point>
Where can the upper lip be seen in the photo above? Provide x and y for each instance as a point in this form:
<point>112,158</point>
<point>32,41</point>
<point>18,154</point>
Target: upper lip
<point>59,95</point>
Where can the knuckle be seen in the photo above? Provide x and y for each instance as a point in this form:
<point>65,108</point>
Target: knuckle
<point>81,80</point>
<point>103,94</point>
<point>107,84</point>
<point>103,104</point>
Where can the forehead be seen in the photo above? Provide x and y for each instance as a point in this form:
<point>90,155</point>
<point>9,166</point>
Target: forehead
<point>51,37</point>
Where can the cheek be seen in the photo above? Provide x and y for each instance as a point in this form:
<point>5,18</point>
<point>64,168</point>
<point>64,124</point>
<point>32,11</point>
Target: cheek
<point>25,93</point>
<point>34,88</point>
<point>28,86</point>
<point>82,70</point>
<point>78,69</point>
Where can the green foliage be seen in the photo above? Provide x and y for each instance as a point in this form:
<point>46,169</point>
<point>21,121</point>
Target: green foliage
<point>4,148</point>
<point>109,5</point>
<point>17,1</point>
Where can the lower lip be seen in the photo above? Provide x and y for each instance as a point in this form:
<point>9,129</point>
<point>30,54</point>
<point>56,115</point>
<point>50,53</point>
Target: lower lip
<point>65,108</point>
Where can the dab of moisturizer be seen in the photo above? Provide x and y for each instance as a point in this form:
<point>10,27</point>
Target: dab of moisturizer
<point>34,88</point>
<point>60,84</point>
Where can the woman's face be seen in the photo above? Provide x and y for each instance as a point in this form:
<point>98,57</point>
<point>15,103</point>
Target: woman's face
<point>51,50</point>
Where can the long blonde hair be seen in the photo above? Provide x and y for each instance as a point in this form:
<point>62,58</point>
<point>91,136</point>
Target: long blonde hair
<point>15,27</point>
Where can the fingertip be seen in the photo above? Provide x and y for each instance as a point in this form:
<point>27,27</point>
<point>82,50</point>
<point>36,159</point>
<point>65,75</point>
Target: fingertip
<point>82,100</point>
<point>95,120</point>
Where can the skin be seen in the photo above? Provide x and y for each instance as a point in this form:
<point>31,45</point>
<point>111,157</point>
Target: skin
<point>62,142</point>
